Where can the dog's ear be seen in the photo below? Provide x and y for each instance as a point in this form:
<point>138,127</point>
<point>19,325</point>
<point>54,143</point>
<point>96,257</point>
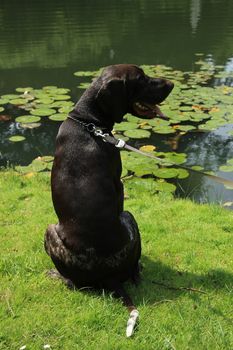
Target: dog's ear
<point>112,98</point>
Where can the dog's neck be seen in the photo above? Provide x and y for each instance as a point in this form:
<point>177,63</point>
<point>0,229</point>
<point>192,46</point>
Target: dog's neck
<point>88,110</point>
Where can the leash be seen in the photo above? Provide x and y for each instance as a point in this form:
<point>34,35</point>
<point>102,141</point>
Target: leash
<point>119,143</point>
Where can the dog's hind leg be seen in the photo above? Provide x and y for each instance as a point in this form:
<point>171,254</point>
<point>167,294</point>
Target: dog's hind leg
<point>130,224</point>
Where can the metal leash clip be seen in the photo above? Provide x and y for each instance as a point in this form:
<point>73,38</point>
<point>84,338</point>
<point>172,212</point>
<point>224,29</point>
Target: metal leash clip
<point>90,127</point>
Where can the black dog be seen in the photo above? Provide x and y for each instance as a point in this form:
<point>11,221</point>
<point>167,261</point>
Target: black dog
<point>96,243</point>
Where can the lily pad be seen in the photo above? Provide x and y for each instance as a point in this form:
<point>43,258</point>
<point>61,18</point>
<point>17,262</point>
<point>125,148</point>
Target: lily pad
<point>65,109</point>
<point>47,159</point>
<point>30,125</point>
<point>18,101</point>
<point>62,104</point>
<point>27,119</point>
<point>119,136</point>
<point>197,167</point>
<point>166,173</point>
<point>164,130</point>
<point>45,100</point>
<point>163,186</point>
<point>16,138</point>
<point>86,73</point>
<point>61,97</point>
<point>53,90</point>
<point>182,174</point>
<point>226,168</point>
<point>3,101</point>
<point>83,85</point>
<point>58,117</point>
<point>43,112</point>
<point>9,97</point>
<point>125,126</point>
<point>144,168</point>
<point>137,133</point>
<point>151,186</point>
<point>147,148</point>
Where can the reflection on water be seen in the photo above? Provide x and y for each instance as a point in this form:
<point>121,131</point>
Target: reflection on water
<point>45,42</point>
<point>76,34</point>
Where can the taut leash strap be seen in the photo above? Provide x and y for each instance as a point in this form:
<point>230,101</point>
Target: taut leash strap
<point>122,144</point>
<point>97,131</point>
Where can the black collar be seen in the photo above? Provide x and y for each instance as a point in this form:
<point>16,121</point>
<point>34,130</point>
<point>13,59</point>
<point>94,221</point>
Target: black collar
<point>89,126</point>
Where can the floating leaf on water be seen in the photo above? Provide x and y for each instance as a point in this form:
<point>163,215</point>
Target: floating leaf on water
<point>9,97</point>
<point>230,161</point>
<point>145,168</point>
<point>62,104</point>
<point>130,118</point>
<point>147,148</point>
<point>197,167</point>
<point>45,100</point>
<point>137,133</point>
<point>43,112</point>
<point>86,73</point>
<point>54,90</point>
<point>3,101</point>
<point>182,173</point>
<point>27,119</point>
<point>16,138</point>
<point>18,101</point>
<point>125,126</point>
<point>186,127</point>
<point>30,125</point>
<point>151,186</point>
<point>164,130</point>
<point>58,117</point>
<point>139,184</point>
<point>65,109</point>
<point>50,87</point>
<point>144,126</point>
<point>47,159</point>
<point>166,173</point>
<point>83,85</point>
<point>226,168</point>
<point>119,136</point>
<point>173,157</point>
<point>61,97</point>
<point>158,122</point>
<point>163,186</point>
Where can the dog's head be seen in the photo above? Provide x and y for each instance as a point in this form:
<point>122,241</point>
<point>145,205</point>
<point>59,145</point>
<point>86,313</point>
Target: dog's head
<point>125,88</point>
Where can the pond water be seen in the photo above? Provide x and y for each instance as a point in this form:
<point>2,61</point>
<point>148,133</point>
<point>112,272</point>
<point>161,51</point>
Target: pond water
<point>45,42</point>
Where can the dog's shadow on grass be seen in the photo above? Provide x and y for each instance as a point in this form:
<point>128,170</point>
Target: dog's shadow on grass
<point>161,283</point>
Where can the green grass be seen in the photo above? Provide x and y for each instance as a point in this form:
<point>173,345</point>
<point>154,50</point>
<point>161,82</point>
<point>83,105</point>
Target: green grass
<point>184,245</point>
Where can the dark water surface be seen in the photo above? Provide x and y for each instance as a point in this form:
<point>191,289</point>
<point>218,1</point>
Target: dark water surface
<point>45,42</point>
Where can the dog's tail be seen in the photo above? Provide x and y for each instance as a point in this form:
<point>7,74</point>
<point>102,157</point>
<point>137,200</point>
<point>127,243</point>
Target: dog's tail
<point>133,312</point>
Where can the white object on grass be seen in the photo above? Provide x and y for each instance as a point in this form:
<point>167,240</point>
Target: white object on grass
<point>133,316</point>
